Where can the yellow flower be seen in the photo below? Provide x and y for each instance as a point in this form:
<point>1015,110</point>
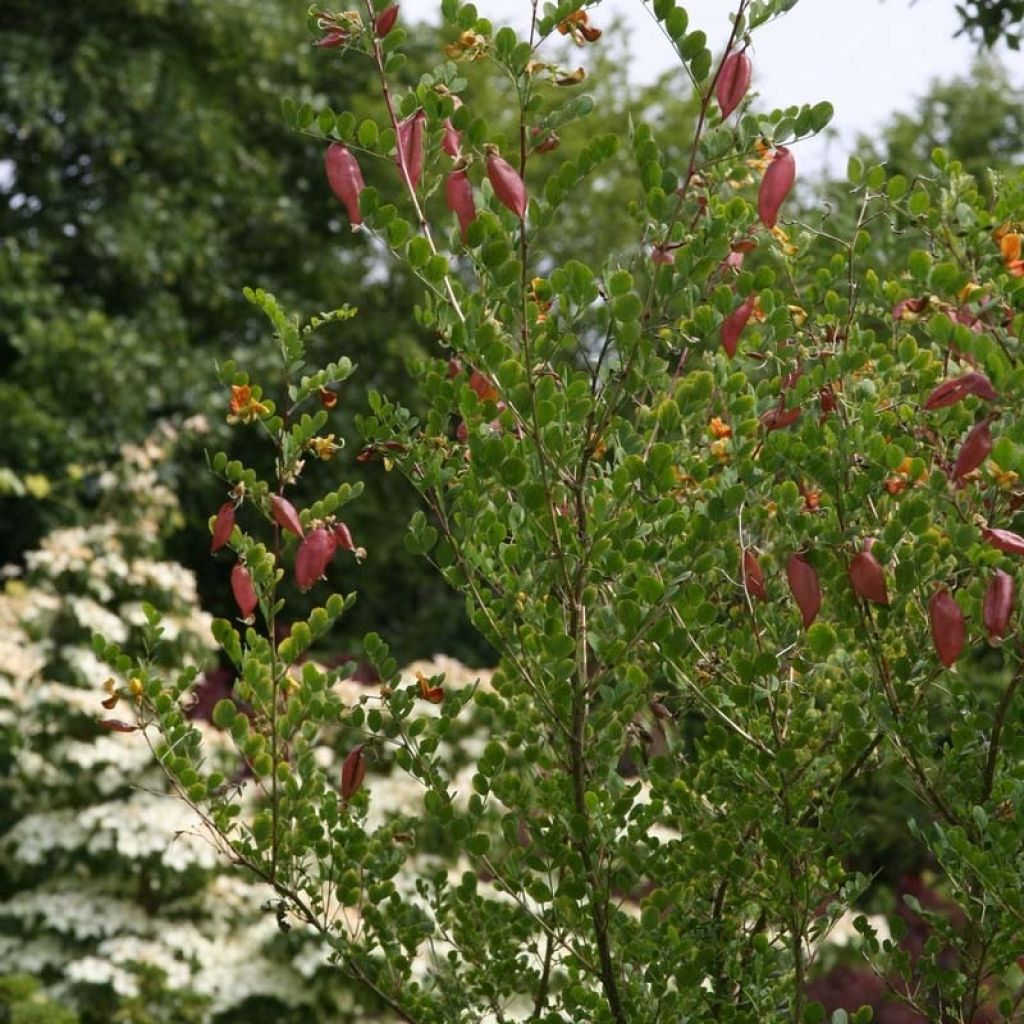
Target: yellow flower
<point>718,428</point>
<point>784,243</point>
<point>324,447</point>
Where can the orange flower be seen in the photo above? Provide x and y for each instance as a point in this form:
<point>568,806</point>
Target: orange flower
<point>718,428</point>
<point>578,26</point>
<point>1010,247</point>
<point>243,407</point>
<point>434,694</point>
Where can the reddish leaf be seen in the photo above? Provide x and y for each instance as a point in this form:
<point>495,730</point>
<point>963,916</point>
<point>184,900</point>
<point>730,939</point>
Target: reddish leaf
<point>458,194</point>
<point>803,583</point>
<point>243,590</point>
<point>223,526</point>
<point>345,179</point>
<point>385,21</point>
<point>974,451</point>
<point>116,725</point>
<point>508,186</point>
<point>753,577</point>
<point>313,557</point>
<point>1005,540</point>
<point>733,82</point>
<point>284,514</point>
<point>353,770</point>
<point>733,324</point>
<point>867,578</point>
<point>998,604</point>
<point>410,146</point>
<point>947,624</point>
<point>775,186</point>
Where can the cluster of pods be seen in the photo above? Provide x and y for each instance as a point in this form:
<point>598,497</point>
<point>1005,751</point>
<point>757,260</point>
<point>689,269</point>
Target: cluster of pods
<point>312,558</point>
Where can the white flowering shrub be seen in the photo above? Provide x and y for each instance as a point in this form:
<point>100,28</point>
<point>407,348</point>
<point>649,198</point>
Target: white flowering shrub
<point>109,893</point>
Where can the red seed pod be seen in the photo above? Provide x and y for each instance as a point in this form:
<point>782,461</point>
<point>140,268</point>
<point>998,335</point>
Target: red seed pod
<point>947,624</point>
<point>411,146</point>
<point>454,368</point>
<point>313,557</point>
<point>733,324</point>
<point>974,451</point>
<point>284,514</point>
<point>827,400</point>
<point>1005,540</point>
<point>550,141</point>
<point>116,725</point>
<point>385,21</point>
<point>223,526</point>
<point>458,193</point>
<point>353,771</point>
<point>483,386</point>
<point>331,40</point>
<point>803,584</point>
<point>343,537</point>
<point>775,186</point>
<point>662,257</point>
<point>345,179</point>
<point>867,578</point>
<point>451,140</point>
<point>776,418</point>
<point>243,590</point>
<point>998,605</point>
<point>508,186</point>
<point>733,82</point>
<point>753,577</point>
<point>950,392</point>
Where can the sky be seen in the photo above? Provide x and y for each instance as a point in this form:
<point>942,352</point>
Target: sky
<point>869,58</point>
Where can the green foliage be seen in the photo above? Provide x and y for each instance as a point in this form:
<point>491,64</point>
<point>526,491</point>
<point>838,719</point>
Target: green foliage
<point>731,528</point>
<point>993,20</point>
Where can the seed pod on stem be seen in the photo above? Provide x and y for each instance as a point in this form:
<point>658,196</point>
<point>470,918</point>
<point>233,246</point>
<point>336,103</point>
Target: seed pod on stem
<point>410,146</point>
<point>283,513</point>
<point>243,590</point>
<point>947,625</point>
<point>343,537</point>
<point>775,185</point>
<point>1005,540</point>
<point>803,584</point>
<point>451,138</point>
<point>458,193</point>
<point>345,179</point>
<point>508,186</point>
<point>313,557</point>
<point>753,577</point>
<point>353,770</point>
<point>223,525</point>
<point>998,605</point>
<point>385,21</point>
<point>733,82</point>
<point>973,452</point>
<point>867,578</point>
<point>733,324</point>
<point>949,392</point>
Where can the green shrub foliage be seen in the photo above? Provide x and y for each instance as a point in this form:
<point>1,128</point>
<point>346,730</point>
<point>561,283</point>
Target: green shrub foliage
<point>737,511</point>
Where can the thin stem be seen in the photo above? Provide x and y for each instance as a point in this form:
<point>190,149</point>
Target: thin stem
<point>988,780</point>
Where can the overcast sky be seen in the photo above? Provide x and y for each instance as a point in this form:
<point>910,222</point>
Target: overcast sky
<point>868,58</point>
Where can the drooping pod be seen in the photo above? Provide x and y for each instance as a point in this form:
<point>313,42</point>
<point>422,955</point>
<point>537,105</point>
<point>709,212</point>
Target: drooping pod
<point>753,577</point>
<point>1005,540</point>
<point>949,392</point>
<point>223,525</point>
<point>243,590</point>
<point>345,179</point>
<point>508,185</point>
<point>410,146</point>
<point>733,82</point>
<point>973,452</point>
<point>998,604</point>
<point>458,193</point>
<point>775,185</point>
<point>283,513</point>
<point>353,771</point>
<point>313,557</point>
<point>733,324</point>
<point>804,586</point>
<point>947,625</point>
<point>867,578</point>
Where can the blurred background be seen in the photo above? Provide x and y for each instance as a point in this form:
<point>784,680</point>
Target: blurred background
<point>146,176</point>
